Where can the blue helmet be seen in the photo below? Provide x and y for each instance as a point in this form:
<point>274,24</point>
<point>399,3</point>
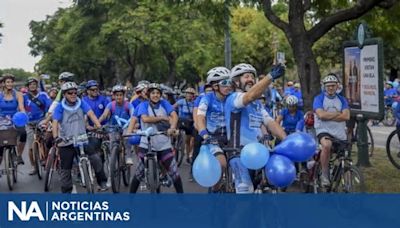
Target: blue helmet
<point>91,83</point>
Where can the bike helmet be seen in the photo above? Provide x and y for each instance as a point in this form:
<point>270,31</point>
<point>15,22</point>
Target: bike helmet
<point>30,80</point>
<point>390,83</point>
<point>330,78</point>
<point>140,87</point>
<point>66,76</point>
<point>190,90</point>
<point>154,86</point>
<point>8,76</point>
<point>118,88</point>
<point>296,85</point>
<point>241,69</point>
<point>292,100</point>
<point>68,86</point>
<point>91,83</point>
<point>217,74</point>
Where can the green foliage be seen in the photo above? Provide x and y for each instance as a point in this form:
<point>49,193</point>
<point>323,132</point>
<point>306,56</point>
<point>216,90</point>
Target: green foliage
<point>20,74</point>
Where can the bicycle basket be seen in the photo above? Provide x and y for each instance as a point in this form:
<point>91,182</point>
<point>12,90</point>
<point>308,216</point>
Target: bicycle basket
<point>8,137</point>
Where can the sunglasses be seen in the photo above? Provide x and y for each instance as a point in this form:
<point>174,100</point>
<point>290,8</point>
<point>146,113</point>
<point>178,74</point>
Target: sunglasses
<point>225,82</point>
<point>93,89</point>
<point>72,93</point>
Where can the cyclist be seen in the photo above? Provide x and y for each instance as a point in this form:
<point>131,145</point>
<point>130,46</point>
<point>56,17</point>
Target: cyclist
<point>140,93</point>
<point>36,104</point>
<point>12,101</point>
<point>185,114</point>
<point>120,108</point>
<point>389,93</point>
<point>97,102</point>
<point>289,88</point>
<point>297,93</point>
<point>53,91</point>
<point>69,121</point>
<point>210,114</point>
<point>332,112</point>
<point>153,113</point>
<point>291,115</point>
<point>244,113</point>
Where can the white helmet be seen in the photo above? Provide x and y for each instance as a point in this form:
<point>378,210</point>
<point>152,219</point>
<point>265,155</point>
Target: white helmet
<point>140,87</point>
<point>65,76</point>
<point>68,86</point>
<point>241,69</point>
<point>217,74</point>
<point>330,78</point>
<point>292,100</point>
<point>118,88</point>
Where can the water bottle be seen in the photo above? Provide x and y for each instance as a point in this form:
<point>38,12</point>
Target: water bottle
<point>243,183</point>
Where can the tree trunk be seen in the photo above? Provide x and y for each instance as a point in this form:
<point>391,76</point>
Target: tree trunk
<point>171,68</point>
<point>307,69</point>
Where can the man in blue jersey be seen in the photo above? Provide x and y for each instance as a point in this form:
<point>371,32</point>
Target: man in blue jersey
<point>332,112</point>
<point>210,114</point>
<point>36,105</point>
<point>97,102</point>
<point>244,113</point>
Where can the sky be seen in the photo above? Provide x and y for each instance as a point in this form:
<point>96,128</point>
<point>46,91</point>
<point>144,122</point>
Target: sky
<point>15,16</point>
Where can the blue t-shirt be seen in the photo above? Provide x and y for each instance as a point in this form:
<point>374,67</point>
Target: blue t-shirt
<point>33,110</point>
<point>124,111</point>
<point>389,92</point>
<point>289,122</point>
<point>143,108</point>
<point>289,90</point>
<point>135,103</point>
<point>98,105</point>
<point>213,109</point>
<point>185,108</point>
<point>250,118</point>
<point>58,111</point>
<point>197,100</point>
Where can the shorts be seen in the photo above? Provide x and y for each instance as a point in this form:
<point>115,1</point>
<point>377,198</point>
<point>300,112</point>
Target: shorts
<point>322,135</point>
<point>21,134</point>
<point>187,125</point>
<point>215,150</point>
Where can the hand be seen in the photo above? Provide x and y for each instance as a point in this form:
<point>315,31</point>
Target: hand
<point>205,137</point>
<point>277,71</point>
<point>90,128</point>
<point>97,126</point>
<point>172,132</point>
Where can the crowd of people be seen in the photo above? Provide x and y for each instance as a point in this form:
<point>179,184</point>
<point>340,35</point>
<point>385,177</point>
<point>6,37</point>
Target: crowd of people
<point>235,107</point>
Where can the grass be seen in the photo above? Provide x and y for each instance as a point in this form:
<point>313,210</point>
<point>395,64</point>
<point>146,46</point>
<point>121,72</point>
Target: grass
<point>382,176</point>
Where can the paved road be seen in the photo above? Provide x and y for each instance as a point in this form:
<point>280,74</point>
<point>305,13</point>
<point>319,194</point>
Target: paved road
<point>31,184</point>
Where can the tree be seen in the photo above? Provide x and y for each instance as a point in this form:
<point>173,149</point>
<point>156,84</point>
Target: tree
<point>306,23</point>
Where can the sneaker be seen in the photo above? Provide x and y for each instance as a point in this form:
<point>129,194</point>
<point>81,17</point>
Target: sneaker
<point>74,191</point>
<point>129,161</point>
<point>33,172</point>
<point>20,161</point>
<point>108,182</point>
<point>325,180</point>
<point>103,187</point>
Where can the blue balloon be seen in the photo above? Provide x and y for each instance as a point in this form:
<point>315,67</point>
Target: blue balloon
<point>280,171</point>
<point>206,168</point>
<point>134,140</point>
<point>254,155</point>
<point>20,119</point>
<point>299,147</point>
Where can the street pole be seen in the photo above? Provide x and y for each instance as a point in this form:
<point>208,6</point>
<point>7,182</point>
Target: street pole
<point>228,51</point>
<point>362,142</point>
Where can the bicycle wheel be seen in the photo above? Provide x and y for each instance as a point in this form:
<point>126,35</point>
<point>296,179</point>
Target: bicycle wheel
<point>9,165</point>
<point>49,169</point>
<point>36,159</point>
<point>180,148</point>
<point>393,148</point>
<point>152,175</point>
<point>115,173</point>
<point>350,180</point>
<point>389,119</point>
<point>371,143</point>
<point>14,163</point>
<point>86,177</point>
<point>125,169</point>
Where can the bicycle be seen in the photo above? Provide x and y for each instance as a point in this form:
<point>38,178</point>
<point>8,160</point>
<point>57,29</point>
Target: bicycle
<point>344,176</point>
<point>39,154</point>
<point>154,173</point>
<point>393,148</point>
<point>117,164</point>
<point>85,168</point>
<point>52,165</point>
<point>8,142</point>
<point>178,144</point>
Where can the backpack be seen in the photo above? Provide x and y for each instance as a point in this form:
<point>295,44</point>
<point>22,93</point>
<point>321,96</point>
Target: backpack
<point>114,104</point>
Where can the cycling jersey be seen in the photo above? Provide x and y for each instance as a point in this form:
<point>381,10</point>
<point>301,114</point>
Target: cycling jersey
<point>8,107</point>
<point>135,103</point>
<point>185,108</point>
<point>162,108</point>
<point>289,122</point>
<point>124,111</point>
<point>335,104</point>
<point>98,105</point>
<point>34,111</point>
<point>213,109</point>
<point>197,100</point>
<point>243,122</point>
